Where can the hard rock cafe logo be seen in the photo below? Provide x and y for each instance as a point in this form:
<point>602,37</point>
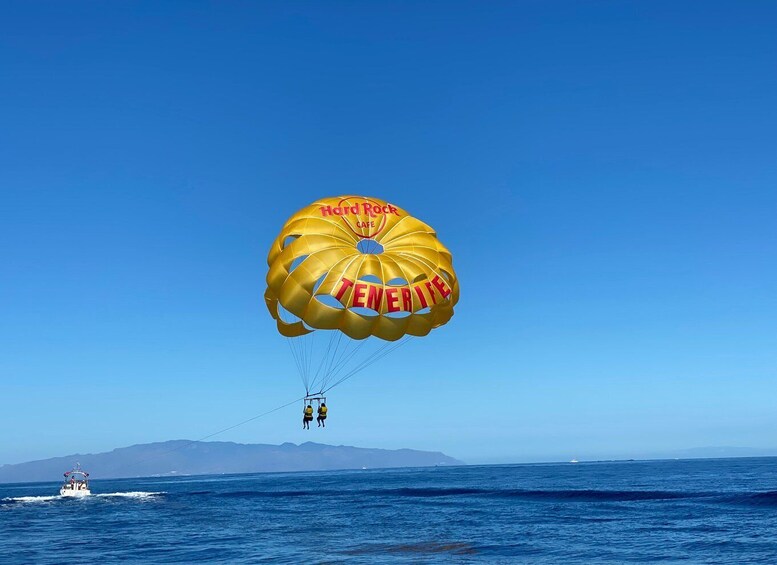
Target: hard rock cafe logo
<point>365,218</point>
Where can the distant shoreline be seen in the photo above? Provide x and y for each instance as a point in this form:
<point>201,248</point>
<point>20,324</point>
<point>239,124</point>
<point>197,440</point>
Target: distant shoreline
<point>394,468</point>
<point>193,458</point>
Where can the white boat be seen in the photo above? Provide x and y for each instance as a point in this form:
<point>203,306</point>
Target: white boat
<point>76,482</point>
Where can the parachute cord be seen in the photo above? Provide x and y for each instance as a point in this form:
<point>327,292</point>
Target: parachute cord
<point>329,359</point>
<point>324,360</point>
<point>297,348</point>
<point>203,438</point>
<point>295,356</point>
<point>335,360</point>
<point>382,352</point>
<point>330,364</point>
<point>311,352</point>
<point>307,343</point>
<point>325,357</point>
<point>344,361</point>
<point>303,350</point>
<point>369,361</point>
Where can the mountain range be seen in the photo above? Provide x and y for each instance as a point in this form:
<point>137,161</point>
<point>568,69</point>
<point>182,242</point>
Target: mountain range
<point>184,457</point>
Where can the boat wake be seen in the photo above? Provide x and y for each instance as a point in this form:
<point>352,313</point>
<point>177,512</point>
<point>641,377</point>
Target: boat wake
<point>137,495</point>
<point>31,498</point>
<point>132,494</point>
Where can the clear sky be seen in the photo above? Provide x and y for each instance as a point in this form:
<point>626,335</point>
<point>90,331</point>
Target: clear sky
<point>605,174</point>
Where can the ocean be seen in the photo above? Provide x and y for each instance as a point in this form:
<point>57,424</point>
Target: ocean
<point>692,511</point>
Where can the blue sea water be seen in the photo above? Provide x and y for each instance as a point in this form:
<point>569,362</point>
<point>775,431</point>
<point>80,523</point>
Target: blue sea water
<point>695,511</point>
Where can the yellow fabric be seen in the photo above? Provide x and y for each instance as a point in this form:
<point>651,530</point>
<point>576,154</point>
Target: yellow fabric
<point>308,412</point>
<point>326,234</point>
<point>322,410</point>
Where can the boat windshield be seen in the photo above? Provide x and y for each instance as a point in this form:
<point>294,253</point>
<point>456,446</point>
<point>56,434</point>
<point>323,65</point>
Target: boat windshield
<point>76,479</point>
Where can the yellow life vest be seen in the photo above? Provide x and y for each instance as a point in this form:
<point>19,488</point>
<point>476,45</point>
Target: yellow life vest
<point>309,412</point>
<point>322,412</point>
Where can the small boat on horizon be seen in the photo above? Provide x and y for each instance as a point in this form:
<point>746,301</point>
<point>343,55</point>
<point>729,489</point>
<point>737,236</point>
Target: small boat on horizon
<point>76,483</point>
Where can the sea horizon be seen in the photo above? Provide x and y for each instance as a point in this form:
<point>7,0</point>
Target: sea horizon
<point>417,467</point>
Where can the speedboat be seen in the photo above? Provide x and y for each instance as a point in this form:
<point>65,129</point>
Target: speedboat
<point>76,482</point>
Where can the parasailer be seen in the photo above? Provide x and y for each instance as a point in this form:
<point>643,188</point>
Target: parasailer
<point>321,420</point>
<point>355,270</point>
<point>307,417</point>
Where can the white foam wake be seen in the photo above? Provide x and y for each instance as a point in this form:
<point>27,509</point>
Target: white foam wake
<point>133,494</point>
<point>31,498</point>
<point>139,495</point>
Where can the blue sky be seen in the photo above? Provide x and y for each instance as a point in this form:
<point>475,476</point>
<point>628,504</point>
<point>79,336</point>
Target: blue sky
<point>604,174</point>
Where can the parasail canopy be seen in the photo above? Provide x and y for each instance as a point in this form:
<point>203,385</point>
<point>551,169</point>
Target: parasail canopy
<point>361,266</point>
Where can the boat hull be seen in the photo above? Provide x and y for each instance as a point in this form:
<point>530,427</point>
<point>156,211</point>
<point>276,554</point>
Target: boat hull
<point>74,493</point>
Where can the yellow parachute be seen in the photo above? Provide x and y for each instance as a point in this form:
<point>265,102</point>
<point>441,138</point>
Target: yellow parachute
<point>362,268</point>
<point>368,255</point>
